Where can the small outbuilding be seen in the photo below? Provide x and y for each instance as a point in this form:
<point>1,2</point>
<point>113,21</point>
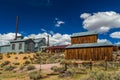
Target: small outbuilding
<point>84,46</point>
<point>94,51</point>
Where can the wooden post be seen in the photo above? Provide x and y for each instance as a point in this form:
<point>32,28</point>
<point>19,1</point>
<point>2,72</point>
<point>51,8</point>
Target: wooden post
<point>90,64</point>
<point>106,63</point>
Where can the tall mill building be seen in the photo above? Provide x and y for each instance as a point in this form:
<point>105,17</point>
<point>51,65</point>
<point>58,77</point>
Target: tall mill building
<point>19,44</point>
<point>23,45</point>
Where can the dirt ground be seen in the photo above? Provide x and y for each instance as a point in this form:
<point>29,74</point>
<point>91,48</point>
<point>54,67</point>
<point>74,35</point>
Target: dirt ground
<point>46,68</point>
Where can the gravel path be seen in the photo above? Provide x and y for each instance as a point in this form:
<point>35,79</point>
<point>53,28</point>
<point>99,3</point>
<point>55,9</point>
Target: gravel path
<point>46,66</point>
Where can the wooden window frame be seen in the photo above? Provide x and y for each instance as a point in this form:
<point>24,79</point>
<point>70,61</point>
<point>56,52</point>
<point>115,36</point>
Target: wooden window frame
<point>13,46</point>
<point>20,46</point>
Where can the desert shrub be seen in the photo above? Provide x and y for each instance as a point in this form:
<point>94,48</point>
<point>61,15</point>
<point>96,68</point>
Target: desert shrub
<point>0,72</point>
<point>14,53</point>
<point>86,65</point>
<point>35,75</point>
<point>5,63</point>
<point>30,67</point>
<point>25,57</point>
<point>32,59</point>
<point>37,61</point>
<point>54,68</point>
<point>28,56</point>
<point>43,62</point>
<point>21,52</point>
<point>97,75</point>
<point>16,57</point>
<point>8,55</point>
<point>17,63</point>
<point>8,52</point>
<point>27,62</point>
<point>21,67</point>
<point>68,73</point>
<point>115,76</point>
<point>1,56</point>
<point>51,60</point>
<point>62,61</point>
<point>58,69</point>
<point>9,68</point>
<point>101,64</point>
<point>101,75</point>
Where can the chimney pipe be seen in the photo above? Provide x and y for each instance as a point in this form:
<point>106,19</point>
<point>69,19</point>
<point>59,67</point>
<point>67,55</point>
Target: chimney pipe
<point>16,27</point>
<point>48,41</point>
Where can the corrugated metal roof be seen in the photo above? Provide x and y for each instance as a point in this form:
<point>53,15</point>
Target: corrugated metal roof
<point>4,45</point>
<point>38,40</point>
<point>58,46</point>
<point>89,45</point>
<point>83,33</point>
<point>22,40</point>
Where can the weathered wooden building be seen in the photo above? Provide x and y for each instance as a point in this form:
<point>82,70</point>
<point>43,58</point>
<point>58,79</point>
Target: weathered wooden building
<point>23,45</point>
<point>84,37</point>
<point>85,47</point>
<point>39,43</point>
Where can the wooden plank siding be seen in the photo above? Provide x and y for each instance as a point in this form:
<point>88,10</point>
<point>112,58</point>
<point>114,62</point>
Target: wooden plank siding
<point>94,53</point>
<point>84,39</point>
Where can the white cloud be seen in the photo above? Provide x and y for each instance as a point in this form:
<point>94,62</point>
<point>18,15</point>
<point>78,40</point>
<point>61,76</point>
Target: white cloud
<point>55,39</point>
<point>101,22</point>
<point>118,43</point>
<point>59,39</point>
<point>115,35</point>
<point>5,38</point>
<point>43,30</point>
<point>85,15</point>
<point>40,35</point>
<point>59,23</point>
<point>51,32</point>
<point>103,40</point>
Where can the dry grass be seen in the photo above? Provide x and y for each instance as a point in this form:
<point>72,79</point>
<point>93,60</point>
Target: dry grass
<point>10,75</point>
<point>19,59</point>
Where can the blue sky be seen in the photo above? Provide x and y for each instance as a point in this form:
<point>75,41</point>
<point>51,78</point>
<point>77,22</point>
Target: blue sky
<point>60,18</point>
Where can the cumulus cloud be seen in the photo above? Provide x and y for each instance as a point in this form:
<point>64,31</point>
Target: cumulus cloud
<point>5,38</point>
<point>85,15</point>
<point>59,39</point>
<point>55,38</point>
<point>101,22</point>
<point>115,35</point>
<point>103,40</point>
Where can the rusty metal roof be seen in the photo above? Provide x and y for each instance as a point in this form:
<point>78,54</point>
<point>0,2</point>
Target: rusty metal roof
<point>89,45</point>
